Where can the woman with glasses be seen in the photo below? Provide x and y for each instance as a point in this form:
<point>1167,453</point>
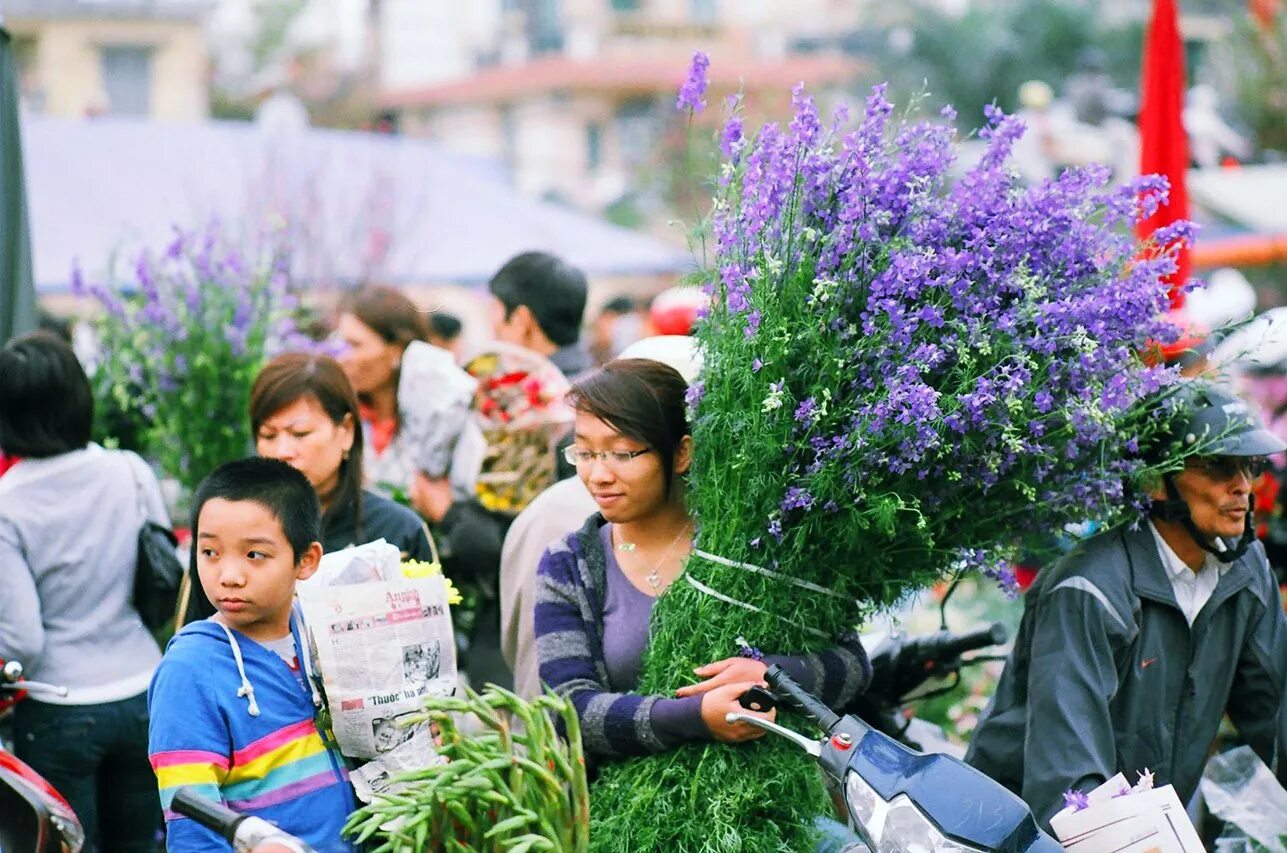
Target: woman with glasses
<point>596,587</point>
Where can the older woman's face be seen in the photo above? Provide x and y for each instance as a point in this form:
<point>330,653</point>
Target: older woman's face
<point>303,436</point>
<point>370,362</point>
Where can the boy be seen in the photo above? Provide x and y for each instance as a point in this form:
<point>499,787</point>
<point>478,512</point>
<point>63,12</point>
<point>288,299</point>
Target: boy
<point>232,715</point>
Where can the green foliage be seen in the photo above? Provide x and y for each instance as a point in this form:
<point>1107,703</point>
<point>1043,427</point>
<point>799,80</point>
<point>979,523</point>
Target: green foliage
<point>517,787</point>
<point>182,351</point>
<point>987,53</point>
<point>1252,66</point>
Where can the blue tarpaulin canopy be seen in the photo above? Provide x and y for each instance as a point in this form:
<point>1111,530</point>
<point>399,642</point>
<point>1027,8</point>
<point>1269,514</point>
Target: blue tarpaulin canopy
<point>356,206</point>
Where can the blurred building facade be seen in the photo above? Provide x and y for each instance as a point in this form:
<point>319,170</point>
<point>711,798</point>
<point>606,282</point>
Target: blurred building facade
<point>79,58</point>
<point>575,96</point>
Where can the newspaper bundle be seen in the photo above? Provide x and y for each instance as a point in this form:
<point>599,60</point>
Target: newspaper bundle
<point>1119,819</point>
<point>383,643</point>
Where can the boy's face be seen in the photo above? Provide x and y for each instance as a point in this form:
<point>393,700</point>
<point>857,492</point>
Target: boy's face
<point>247,569</point>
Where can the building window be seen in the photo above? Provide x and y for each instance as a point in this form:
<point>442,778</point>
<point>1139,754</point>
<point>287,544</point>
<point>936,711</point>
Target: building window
<point>593,146</point>
<point>637,126</point>
<point>704,11</point>
<point>127,79</point>
<point>545,26</point>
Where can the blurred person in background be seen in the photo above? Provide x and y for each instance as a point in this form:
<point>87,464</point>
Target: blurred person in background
<point>444,332</point>
<point>538,303</point>
<point>70,516</point>
<point>378,326</point>
<point>617,325</point>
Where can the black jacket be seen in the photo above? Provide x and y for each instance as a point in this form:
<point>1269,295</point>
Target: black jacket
<point>1106,675</point>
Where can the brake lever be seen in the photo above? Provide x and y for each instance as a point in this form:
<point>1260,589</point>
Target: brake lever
<point>813,747</point>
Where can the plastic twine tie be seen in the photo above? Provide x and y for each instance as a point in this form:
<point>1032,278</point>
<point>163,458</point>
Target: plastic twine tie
<point>768,573</point>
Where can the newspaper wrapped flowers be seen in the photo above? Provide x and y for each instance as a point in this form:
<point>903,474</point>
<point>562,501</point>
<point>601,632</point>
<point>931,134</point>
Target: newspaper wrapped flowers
<point>519,403</point>
<point>909,367</point>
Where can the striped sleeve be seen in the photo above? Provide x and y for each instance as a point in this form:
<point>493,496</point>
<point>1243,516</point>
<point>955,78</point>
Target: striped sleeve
<point>612,724</point>
<point>279,767</point>
<point>835,675</point>
<point>188,748</point>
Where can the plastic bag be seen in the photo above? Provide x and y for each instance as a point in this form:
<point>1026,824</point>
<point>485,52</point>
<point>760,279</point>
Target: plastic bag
<point>1242,791</point>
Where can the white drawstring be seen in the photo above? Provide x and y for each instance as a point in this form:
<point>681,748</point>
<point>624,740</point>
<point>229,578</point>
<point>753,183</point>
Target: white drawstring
<point>246,691</point>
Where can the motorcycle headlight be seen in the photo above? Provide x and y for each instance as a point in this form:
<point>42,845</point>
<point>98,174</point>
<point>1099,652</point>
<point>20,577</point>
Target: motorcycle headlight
<point>897,825</point>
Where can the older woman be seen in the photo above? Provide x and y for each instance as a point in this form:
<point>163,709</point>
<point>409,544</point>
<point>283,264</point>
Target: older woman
<point>596,588</point>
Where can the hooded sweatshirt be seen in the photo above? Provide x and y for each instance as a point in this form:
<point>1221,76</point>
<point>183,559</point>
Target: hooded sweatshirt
<point>231,720</point>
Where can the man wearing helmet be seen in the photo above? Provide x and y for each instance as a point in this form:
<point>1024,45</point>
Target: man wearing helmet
<point>1134,646</point>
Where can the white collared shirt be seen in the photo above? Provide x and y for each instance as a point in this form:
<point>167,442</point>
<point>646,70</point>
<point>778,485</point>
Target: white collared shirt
<point>1192,589</point>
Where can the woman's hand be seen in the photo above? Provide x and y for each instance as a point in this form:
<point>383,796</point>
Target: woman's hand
<point>430,497</point>
<point>726,671</point>
<point>721,701</point>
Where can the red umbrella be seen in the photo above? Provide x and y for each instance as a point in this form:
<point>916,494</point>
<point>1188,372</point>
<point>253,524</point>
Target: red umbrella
<point>1164,147</point>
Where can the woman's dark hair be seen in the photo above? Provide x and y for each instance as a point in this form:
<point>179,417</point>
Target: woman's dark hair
<point>641,399</point>
<point>297,376</point>
<point>274,485</point>
<point>46,406</point>
<point>387,312</point>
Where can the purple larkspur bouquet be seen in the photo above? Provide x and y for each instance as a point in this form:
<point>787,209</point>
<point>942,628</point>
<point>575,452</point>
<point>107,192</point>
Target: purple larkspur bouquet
<point>910,368</point>
<point>182,340</point>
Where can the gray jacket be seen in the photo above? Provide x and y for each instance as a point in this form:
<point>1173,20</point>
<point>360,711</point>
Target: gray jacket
<point>1106,675</point>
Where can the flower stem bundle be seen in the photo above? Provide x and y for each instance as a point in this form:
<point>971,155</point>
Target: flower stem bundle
<point>513,788</point>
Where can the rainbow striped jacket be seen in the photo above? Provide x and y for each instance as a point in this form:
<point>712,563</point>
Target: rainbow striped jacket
<point>230,719</point>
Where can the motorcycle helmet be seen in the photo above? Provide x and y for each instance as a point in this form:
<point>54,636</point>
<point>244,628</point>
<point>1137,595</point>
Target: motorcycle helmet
<point>1226,426</point>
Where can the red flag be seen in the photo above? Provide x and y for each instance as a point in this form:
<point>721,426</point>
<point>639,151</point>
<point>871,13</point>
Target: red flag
<point>1164,148</point>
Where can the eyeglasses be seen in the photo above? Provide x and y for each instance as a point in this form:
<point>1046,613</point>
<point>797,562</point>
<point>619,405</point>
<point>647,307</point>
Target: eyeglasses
<point>1222,468</point>
<point>576,456</point>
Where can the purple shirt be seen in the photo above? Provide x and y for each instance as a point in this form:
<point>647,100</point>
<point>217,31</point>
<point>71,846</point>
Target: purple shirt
<point>627,612</point>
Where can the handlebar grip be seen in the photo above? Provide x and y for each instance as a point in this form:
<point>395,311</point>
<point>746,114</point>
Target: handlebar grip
<point>945,646</point>
<point>213,816</point>
<point>812,706</point>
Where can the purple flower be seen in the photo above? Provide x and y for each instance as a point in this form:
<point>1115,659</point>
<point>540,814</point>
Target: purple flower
<point>1076,800</point>
<point>690,94</point>
<point>796,498</point>
<point>731,140</point>
<point>694,395</point>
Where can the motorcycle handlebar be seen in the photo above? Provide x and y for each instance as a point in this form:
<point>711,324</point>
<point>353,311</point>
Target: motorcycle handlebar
<point>783,684</point>
<point>213,816</point>
<point>945,645</point>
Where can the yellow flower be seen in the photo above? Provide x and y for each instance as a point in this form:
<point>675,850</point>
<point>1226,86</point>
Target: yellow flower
<point>421,569</point>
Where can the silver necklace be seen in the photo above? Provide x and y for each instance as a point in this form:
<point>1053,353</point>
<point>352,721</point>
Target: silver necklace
<point>653,578</point>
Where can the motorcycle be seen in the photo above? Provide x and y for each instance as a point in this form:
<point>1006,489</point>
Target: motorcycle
<point>33,816</point>
<point>899,798</point>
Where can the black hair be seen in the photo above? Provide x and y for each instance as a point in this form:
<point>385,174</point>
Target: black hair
<point>444,325</point>
<point>619,305</point>
<point>640,398</point>
<point>552,289</point>
<point>46,406</point>
<point>274,485</point>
